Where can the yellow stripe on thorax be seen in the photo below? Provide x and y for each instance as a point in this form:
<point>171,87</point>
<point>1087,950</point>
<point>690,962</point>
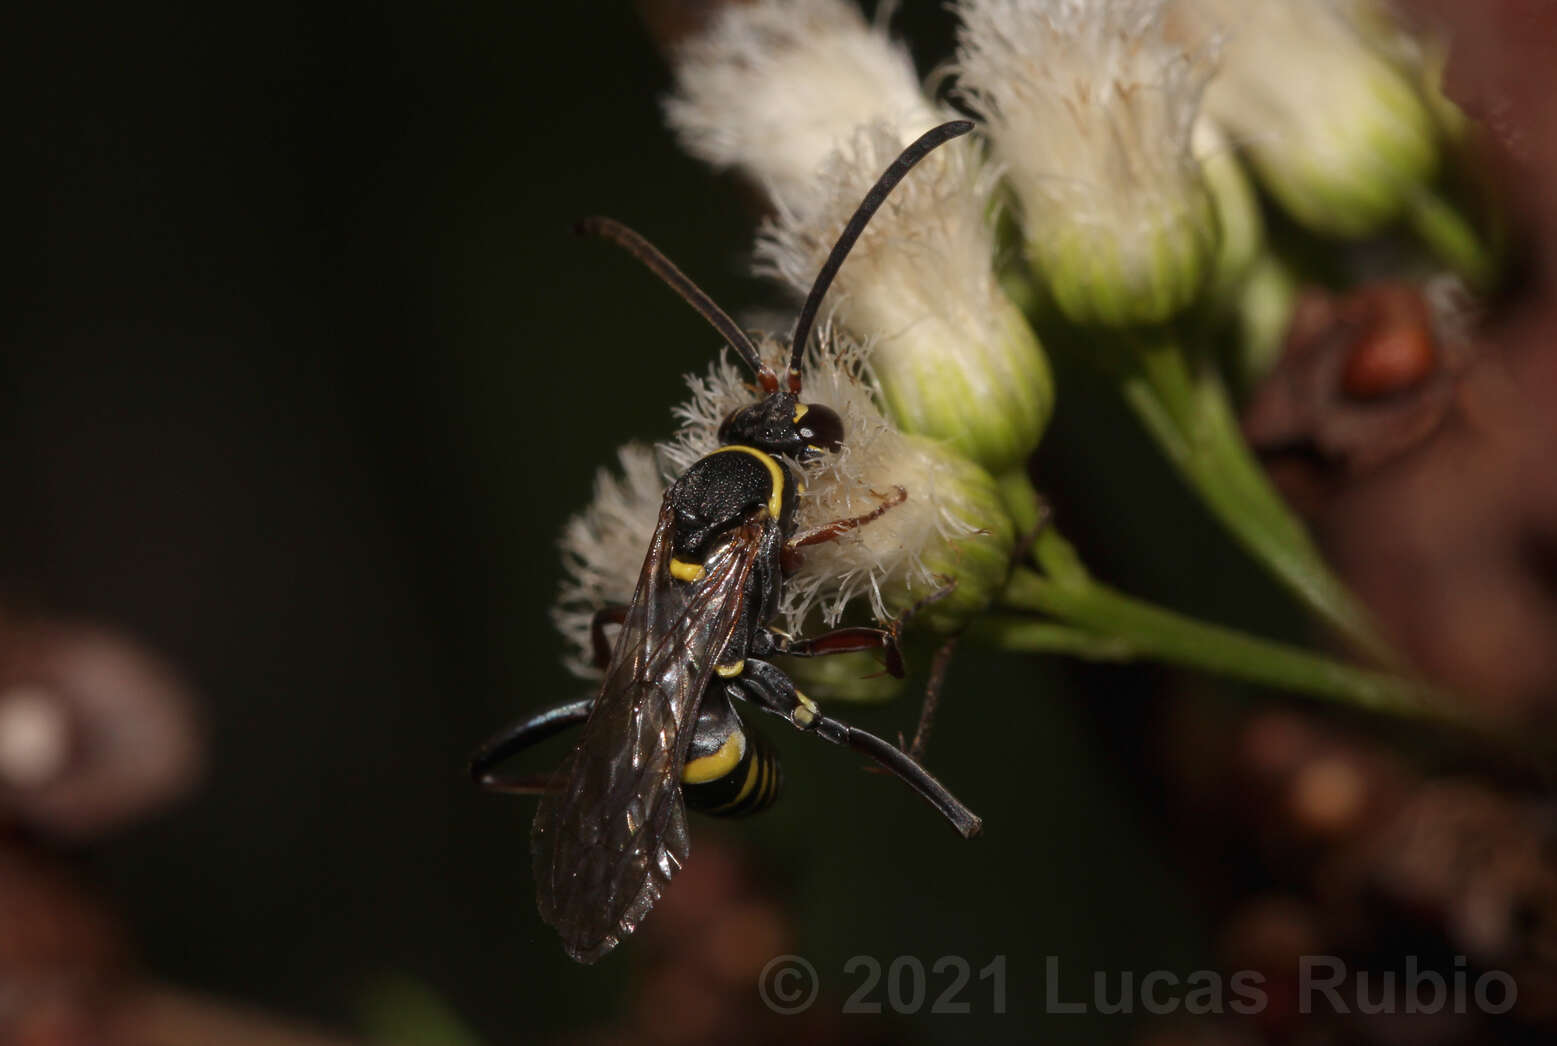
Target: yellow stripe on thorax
<point>776,499</point>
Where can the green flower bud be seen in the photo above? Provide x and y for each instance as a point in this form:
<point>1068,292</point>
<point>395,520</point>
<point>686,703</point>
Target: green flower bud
<point>1452,120</point>
<point>812,102</point>
<point>1421,57</point>
<point>1264,308</point>
<point>955,358</point>
<point>960,571</point>
<point>943,532</point>
<point>1237,209</point>
<point>1089,109</point>
<point>988,398</point>
<point>941,520</point>
<point>1336,133</point>
<point>1119,276</point>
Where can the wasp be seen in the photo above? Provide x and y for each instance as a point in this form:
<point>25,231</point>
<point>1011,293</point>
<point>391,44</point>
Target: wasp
<point>664,732</point>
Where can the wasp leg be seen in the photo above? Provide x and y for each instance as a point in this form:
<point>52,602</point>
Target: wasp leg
<point>838,641</point>
<point>608,615</point>
<point>948,586</point>
<point>1025,543</point>
<point>791,555</point>
<point>514,739</point>
<point>938,666</point>
<point>766,686</point>
<point>932,697</point>
<point>521,735</point>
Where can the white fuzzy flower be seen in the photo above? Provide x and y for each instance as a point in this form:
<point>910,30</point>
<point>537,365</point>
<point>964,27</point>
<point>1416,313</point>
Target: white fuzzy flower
<point>772,88</point>
<point>1333,129</point>
<point>955,359</point>
<point>1090,108</point>
<point>603,548</point>
<point>950,525</point>
<point>813,103</point>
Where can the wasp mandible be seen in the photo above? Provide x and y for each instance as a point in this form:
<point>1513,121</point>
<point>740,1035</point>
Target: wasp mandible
<point>663,732</point>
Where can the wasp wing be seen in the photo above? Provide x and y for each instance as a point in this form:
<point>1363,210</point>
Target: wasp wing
<point>613,830</point>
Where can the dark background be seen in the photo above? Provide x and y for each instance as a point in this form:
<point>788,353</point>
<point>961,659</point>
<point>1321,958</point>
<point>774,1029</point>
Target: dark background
<point>302,372</point>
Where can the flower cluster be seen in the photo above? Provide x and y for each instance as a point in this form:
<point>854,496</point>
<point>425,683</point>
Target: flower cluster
<point>950,525</point>
<point>1337,133</point>
<point>1124,146</point>
<point>1090,109</point>
<point>812,103</point>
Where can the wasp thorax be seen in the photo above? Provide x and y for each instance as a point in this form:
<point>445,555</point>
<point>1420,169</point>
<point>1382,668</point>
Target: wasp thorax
<point>781,424</point>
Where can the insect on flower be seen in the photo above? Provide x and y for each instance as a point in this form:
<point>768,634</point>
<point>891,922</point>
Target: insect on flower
<point>663,732</point>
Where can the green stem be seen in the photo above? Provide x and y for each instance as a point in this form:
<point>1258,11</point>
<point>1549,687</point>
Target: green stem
<point>1031,517</point>
<point>1189,416</point>
<point>1093,620</point>
<point>1451,237</point>
<point>1035,636</point>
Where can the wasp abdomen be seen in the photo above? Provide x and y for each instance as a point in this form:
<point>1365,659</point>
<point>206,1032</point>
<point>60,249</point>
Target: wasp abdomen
<point>730,771</point>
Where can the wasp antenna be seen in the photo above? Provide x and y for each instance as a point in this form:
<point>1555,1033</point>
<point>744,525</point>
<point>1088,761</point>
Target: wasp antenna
<point>921,147</point>
<point>681,283</point>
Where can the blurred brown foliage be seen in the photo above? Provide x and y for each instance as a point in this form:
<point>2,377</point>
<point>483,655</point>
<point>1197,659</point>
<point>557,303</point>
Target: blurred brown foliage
<point>1427,468</point>
<point>95,734</point>
<point>1417,439</point>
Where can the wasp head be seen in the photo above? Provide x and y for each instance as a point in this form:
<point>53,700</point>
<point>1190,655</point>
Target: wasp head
<point>781,424</point>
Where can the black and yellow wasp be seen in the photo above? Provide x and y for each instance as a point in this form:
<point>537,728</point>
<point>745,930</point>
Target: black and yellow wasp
<point>663,732</point>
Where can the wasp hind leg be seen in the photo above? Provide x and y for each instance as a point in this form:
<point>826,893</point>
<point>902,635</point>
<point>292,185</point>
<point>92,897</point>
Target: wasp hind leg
<point>839,641</point>
<point>513,739</point>
<point>939,665</point>
<point>764,685</point>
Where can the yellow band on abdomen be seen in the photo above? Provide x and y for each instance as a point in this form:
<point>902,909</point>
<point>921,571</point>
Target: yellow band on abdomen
<point>715,765</point>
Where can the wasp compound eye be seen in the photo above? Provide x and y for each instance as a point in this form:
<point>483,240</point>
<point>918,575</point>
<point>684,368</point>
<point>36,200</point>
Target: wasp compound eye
<point>820,428</point>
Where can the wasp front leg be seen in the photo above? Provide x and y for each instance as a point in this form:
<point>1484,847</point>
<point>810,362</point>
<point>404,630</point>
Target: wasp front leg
<point>792,556</point>
<point>766,686</point>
